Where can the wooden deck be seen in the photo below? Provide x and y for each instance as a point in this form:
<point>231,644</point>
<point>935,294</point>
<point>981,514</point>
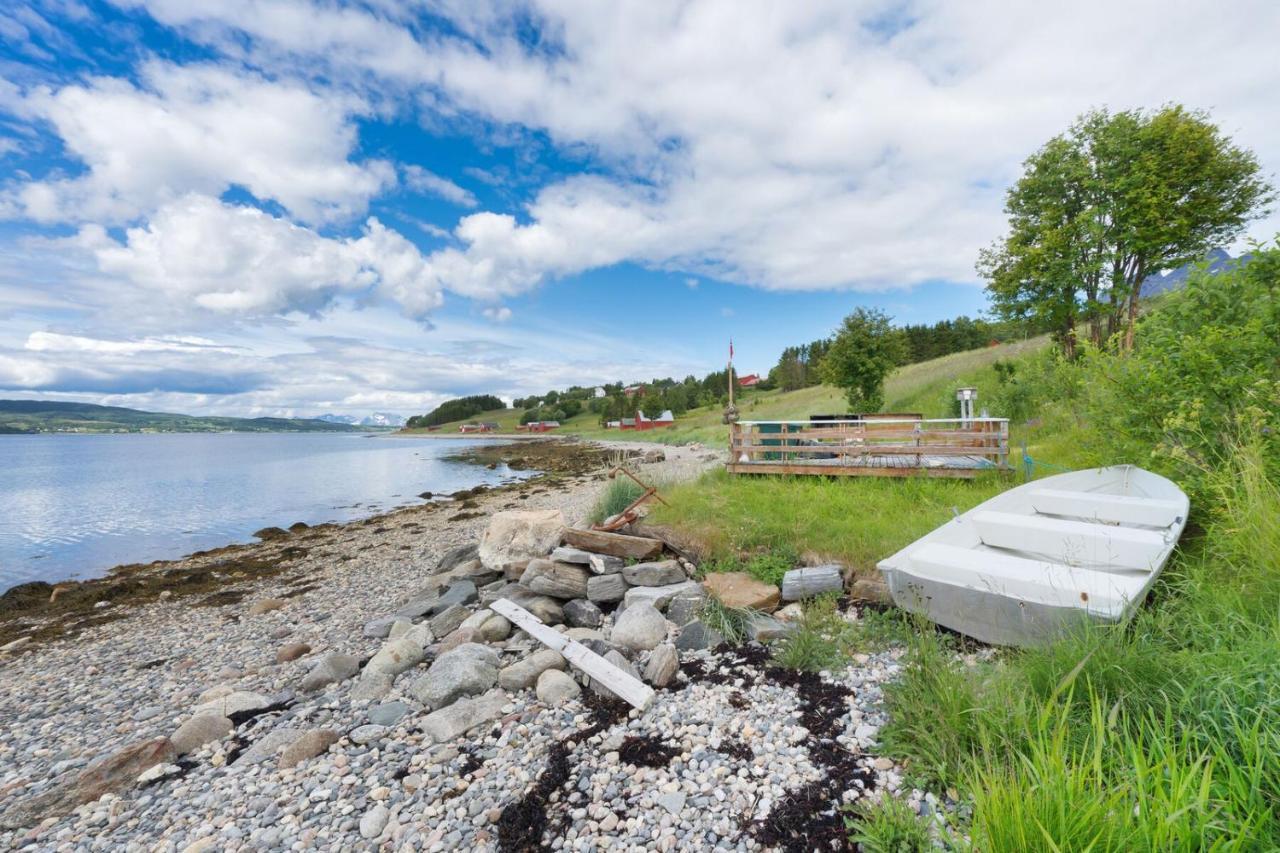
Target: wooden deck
<point>870,447</point>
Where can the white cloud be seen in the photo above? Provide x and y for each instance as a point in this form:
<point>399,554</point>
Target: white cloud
<point>691,283</point>
<point>498,313</point>
<point>817,145</point>
<point>241,262</point>
<point>198,128</point>
<point>418,178</point>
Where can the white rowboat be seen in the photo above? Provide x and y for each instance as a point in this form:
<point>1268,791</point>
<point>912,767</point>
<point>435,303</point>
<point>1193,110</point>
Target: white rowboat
<point>1027,565</point>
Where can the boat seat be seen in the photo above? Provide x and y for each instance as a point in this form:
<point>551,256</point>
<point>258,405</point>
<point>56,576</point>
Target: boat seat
<point>1020,578</point>
<point>1117,509</point>
<point>1075,543</point>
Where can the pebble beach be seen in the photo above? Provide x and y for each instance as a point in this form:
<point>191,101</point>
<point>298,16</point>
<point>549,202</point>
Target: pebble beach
<point>318,763</point>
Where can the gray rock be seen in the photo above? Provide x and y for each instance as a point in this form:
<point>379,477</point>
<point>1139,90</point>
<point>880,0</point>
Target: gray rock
<point>685,606</point>
<point>465,671</point>
<point>308,746</point>
<point>267,746</point>
<point>378,628</point>
<point>558,580</point>
<point>662,666</point>
<point>581,613</point>
<point>236,702</point>
<point>457,719</point>
<point>462,591</point>
<point>639,628</point>
<point>371,686</point>
<point>556,687</point>
<point>606,564</point>
<point>399,628</point>
<point>523,674</point>
<point>566,554</point>
<point>621,663</point>
<point>198,731</point>
<point>606,588</point>
<point>455,557</point>
<point>394,657</point>
<point>374,821</point>
<point>661,573</point>
<point>330,669</point>
<point>388,713</point>
<point>544,607</point>
<point>367,734</point>
<point>449,620</point>
<point>696,635</point>
<point>765,629</point>
<point>673,802</point>
<point>812,581</point>
<point>417,608</point>
<point>660,596</point>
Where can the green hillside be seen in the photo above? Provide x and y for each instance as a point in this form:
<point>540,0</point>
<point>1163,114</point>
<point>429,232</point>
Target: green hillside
<point>927,387</point>
<point>37,416</point>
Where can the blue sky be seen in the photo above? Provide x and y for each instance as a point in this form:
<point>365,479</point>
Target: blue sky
<point>294,207</point>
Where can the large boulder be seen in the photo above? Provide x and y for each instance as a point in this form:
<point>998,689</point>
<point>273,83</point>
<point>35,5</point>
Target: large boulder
<point>462,716</point>
<point>696,635</point>
<point>234,702</point>
<point>520,535</point>
<point>468,670</point>
<point>447,621</point>
<point>739,590</point>
<point>661,573</point>
<point>685,606</point>
<point>558,580</point>
<point>639,628</point>
<point>524,673</point>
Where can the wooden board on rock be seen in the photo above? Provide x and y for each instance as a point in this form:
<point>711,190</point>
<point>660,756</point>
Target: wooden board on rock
<point>631,690</point>
<point>613,544</point>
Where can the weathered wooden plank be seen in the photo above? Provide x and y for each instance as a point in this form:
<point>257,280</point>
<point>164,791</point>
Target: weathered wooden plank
<point>870,449</point>
<point>847,470</point>
<point>812,581</point>
<point>613,544</point>
<point>631,690</point>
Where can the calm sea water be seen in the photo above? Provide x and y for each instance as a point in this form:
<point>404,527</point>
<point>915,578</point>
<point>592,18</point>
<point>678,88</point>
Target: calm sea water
<point>73,506</point>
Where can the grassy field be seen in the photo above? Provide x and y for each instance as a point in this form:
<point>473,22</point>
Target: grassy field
<point>927,387</point>
<point>1159,735</point>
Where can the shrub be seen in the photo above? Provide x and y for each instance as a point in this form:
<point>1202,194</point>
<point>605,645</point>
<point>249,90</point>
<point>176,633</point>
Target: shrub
<point>888,825</point>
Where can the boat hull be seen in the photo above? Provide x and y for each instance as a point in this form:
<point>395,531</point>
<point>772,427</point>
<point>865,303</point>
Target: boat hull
<point>1040,560</point>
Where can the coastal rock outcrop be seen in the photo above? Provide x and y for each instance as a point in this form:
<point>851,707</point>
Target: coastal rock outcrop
<point>520,535</point>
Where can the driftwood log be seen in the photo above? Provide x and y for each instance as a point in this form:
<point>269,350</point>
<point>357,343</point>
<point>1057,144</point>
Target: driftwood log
<point>613,544</point>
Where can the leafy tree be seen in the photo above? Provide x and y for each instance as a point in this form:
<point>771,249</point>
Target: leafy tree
<point>864,350</point>
<point>456,410</point>
<point>1114,199</point>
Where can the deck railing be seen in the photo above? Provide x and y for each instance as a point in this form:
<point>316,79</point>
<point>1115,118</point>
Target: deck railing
<point>871,446</point>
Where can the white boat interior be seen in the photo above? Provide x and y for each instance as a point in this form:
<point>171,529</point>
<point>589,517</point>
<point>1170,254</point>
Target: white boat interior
<point>1023,566</point>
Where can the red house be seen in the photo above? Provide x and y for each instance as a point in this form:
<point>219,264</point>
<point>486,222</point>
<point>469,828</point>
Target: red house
<point>751,380</point>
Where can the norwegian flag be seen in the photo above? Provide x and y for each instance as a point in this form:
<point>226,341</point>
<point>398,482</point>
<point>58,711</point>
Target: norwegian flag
<point>731,349</point>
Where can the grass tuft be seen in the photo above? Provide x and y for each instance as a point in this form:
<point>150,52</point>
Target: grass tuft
<point>825,640</point>
<point>728,622</point>
<point>888,825</point>
<point>619,493</point>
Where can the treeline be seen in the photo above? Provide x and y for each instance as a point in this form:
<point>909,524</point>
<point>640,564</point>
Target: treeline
<point>801,366</point>
<point>612,402</point>
<point>456,410</point>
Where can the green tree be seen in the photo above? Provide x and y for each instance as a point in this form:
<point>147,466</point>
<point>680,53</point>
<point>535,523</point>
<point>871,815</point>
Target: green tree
<point>1114,199</point>
<point>864,350</point>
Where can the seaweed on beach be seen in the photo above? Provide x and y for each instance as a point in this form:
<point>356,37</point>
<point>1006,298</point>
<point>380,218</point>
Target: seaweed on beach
<point>646,752</point>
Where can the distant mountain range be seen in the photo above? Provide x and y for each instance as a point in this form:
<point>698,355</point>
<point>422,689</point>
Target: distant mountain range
<point>377,419</point>
<point>1218,260</point>
<point>28,416</point>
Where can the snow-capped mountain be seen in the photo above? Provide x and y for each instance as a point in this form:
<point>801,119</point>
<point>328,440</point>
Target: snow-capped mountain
<point>383,419</point>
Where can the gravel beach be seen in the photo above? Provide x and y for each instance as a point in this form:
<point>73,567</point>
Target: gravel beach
<point>315,761</point>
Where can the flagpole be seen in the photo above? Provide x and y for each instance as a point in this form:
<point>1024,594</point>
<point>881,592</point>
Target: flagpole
<point>730,371</point>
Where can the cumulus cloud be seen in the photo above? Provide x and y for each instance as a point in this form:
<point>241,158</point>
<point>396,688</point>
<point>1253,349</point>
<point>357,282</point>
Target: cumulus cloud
<point>423,181</point>
<point>498,313</point>
<point>198,128</point>
<point>804,146</point>
<point>241,262</point>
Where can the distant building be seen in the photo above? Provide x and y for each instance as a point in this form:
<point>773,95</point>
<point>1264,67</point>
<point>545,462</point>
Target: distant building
<point>599,392</point>
<point>481,426</point>
<point>751,380</point>
<point>539,426</point>
<point>632,390</point>
<point>640,422</point>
